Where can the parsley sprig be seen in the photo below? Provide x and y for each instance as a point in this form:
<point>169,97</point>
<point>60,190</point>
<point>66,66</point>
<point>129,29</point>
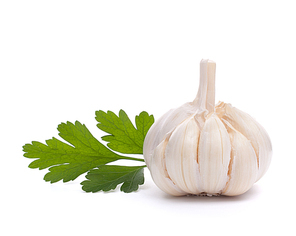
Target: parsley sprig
<point>81,152</point>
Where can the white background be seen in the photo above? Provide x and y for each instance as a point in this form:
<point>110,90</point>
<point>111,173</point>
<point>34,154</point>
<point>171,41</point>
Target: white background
<point>63,60</point>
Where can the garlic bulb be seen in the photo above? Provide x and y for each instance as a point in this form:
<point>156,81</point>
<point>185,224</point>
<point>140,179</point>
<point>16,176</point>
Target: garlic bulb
<point>203,149</point>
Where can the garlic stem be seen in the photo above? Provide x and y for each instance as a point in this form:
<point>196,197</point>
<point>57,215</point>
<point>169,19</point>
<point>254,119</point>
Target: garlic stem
<point>205,98</point>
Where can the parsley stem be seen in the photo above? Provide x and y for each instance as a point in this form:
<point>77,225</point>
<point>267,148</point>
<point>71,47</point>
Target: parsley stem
<point>133,159</point>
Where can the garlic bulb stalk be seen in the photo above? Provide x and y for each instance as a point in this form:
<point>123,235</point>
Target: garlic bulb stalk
<point>203,149</point>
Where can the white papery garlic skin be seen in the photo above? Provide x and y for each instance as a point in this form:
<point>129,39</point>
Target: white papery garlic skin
<point>203,149</point>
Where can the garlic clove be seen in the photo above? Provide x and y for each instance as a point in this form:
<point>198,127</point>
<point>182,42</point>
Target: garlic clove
<point>202,105</point>
<point>243,168</point>
<point>181,156</point>
<point>214,155</point>
<point>164,125</point>
<point>159,173</point>
<point>252,130</point>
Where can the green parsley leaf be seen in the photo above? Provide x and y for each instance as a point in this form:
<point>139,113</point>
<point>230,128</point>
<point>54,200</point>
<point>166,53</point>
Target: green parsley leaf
<point>80,152</point>
<point>107,177</point>
<point>66,161</point>
<point>124,137</point>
